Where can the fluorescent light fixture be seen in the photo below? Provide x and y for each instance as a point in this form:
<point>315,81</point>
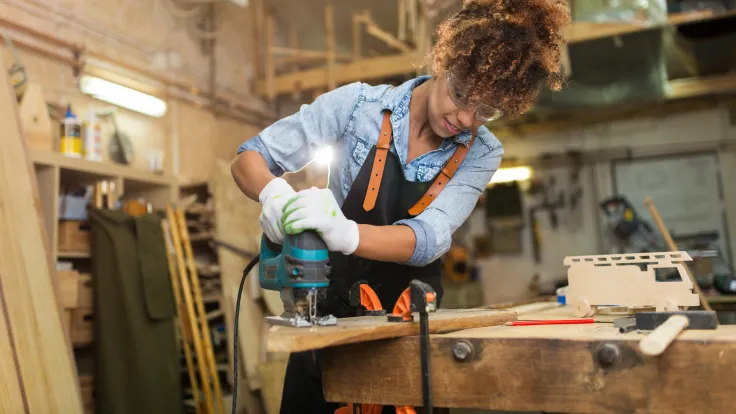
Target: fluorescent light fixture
<point>507,175</point>
<point>122,96</point>
<point>324,156</point>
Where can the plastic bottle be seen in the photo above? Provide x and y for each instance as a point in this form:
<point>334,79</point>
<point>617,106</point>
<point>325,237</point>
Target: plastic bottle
<point>71,137</point>
<point>92,138</point>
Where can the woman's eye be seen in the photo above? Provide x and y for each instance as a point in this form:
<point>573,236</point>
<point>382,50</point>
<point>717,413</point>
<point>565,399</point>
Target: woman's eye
<point>459,96</point>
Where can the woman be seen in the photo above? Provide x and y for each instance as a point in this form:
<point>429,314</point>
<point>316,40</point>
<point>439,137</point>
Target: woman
<point>411,161</point>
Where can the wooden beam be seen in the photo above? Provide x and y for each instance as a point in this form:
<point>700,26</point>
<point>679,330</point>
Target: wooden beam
<point>270,90</point>
<point>371,328</point>
<point>36,356</point>
<point>565,374</point>
<point>330,36</point>
<point>357,25</point>
<point>401,4</point>
<point>305,53</point>
<point>255,26</point>
<point>700,86</point>
<point>683,95</point>
<point>582,31</point>
<point>570,368</point>
<point>375,31</point>
<point>362,70</point>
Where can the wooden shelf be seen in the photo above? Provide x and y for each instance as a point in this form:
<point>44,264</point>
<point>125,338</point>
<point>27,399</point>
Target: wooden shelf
<point>101,170</point>
<point>74,255</point>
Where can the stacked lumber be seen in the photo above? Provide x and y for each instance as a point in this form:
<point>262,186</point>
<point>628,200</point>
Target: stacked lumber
<point>37,373</point>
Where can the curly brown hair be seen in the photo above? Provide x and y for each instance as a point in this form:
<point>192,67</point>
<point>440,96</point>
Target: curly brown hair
<point>503,51</point>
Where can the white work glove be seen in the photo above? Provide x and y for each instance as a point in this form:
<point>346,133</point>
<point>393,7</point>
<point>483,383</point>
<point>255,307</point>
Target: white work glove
<point>316,209</point>
<point>273,197</point>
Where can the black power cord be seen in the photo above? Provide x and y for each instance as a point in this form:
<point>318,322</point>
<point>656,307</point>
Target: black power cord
<point>247,270</point>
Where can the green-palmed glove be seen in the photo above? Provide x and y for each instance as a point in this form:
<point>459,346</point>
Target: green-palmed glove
<point>273,197</point>
<point>316,209</point>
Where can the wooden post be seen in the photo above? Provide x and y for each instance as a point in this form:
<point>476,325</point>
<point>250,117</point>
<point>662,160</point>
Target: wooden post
<point>673,247</point>
<point>255,24</point>
<point>356,35</point>
<point>412,19</point>
<point>270,67</point>
<point>330,31</point>
<point>402,19</point>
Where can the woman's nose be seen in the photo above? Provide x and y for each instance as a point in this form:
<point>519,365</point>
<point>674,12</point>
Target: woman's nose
<point>466,118</point>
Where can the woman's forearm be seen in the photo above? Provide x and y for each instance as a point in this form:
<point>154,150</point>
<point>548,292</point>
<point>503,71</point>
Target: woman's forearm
<point>386,243</point>
<point>250,172</point>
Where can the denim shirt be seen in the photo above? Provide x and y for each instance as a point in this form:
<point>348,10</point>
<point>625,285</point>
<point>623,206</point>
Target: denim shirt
<point>348,119</point>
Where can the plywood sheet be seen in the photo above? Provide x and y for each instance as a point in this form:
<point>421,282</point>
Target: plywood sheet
<point>42,351</point>
<point>236,223</point>
<point>371,328</point>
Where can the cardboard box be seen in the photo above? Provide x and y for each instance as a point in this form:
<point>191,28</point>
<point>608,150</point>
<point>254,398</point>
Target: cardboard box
<point>73,236</point>
<point>68,288</point>
<point>82,324</point>
<point>86,386</point>
<point>86,295</point>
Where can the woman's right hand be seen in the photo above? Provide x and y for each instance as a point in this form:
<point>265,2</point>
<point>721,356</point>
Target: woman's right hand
<point>273,198</point>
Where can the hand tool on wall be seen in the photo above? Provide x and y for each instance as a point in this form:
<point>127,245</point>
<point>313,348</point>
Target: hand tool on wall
<point>666,326</point>
<point>673,247</point>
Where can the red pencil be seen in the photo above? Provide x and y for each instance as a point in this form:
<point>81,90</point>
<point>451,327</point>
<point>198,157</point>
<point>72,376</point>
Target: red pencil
<point>552,322</point>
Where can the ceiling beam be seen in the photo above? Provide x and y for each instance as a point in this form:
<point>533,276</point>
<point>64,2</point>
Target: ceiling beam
<point>361,70</point>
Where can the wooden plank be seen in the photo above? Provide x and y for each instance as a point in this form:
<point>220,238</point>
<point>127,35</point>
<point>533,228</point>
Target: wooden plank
<point>330,35</point>
<point>559,363</point>
<point>27,285</point>
<point>191,316</point>
<point>197,292</point>
<point>362,70</point>
<point>181,319</point>
<point>548,373</point>
<point>11,384</point>
<point>236,223</point>
<point>272,375</point>
<point>371,328</point>
<point>34,117</point>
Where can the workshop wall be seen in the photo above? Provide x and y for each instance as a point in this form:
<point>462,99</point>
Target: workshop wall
<point>580,231</point>
<point>147,34</point>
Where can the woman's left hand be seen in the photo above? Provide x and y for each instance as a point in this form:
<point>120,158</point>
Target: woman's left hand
<point>316,209</point>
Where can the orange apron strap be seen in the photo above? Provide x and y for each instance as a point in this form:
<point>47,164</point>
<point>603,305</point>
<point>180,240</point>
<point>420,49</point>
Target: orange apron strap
<point>382,147</point>
<point>448,171</point>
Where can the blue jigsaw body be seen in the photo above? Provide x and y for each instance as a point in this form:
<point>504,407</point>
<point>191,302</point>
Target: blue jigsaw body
<point>299,270</point>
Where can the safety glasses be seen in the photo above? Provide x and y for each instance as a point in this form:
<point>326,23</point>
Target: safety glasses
<point>459,96</point>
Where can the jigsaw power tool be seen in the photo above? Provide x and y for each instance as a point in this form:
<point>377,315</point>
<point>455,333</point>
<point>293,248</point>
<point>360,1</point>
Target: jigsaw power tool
<point>298,270</point>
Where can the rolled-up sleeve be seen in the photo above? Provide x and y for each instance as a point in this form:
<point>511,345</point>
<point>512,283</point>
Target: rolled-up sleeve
<point>291,142</point>
<point>434,227</point>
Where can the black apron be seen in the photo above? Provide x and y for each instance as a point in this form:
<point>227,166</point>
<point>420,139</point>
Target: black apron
<point>303,383</point>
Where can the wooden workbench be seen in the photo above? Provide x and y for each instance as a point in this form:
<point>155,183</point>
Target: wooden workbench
<point>563,368</point>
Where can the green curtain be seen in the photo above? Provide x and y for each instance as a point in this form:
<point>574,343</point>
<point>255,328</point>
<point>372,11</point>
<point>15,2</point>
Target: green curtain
<point>137,368</point>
